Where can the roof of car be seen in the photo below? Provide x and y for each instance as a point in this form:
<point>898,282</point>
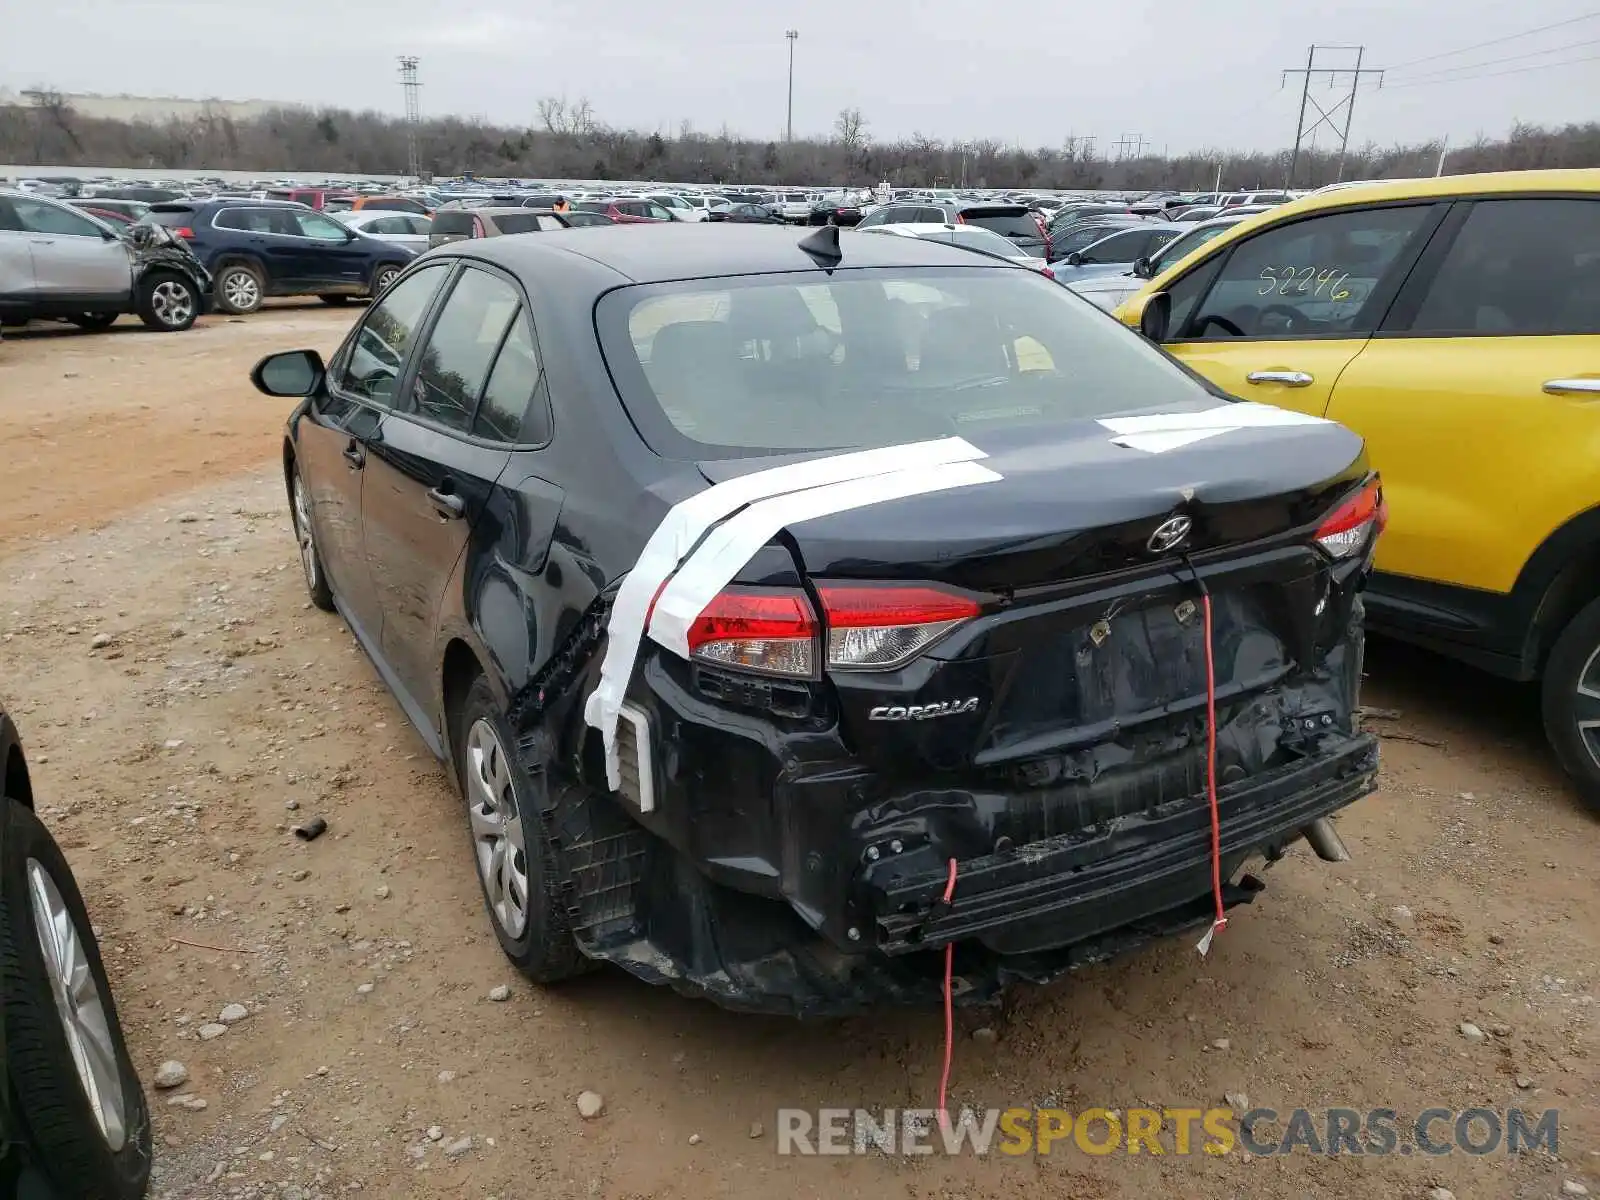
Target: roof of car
<point>702,250</point>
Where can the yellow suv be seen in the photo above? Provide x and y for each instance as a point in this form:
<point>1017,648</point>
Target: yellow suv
<point>1454,324</point>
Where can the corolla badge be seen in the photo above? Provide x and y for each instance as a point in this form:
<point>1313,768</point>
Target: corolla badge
<point>1169,535</point>
<point>923,712</point>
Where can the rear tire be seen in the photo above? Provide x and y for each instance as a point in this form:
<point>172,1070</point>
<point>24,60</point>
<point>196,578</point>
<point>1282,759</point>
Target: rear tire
<point>60,1017</point>
<point>94,322</point>
<point>167,302</point>
<point>382,278</point>
<point>1571,698</point>
<point>305,536</point>
<point>519,870</point>
<point>334,298</point>
<point>239,289</point>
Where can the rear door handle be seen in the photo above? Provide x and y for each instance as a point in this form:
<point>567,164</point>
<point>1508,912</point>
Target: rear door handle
<point>1572,387</point>
<point>448,505</point>
<point>355,455</point>
<point>1287,378</point>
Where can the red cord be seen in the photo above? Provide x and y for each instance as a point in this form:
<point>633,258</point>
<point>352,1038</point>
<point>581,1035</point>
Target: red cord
<point>1221,921</point>
<point>949,1007</point>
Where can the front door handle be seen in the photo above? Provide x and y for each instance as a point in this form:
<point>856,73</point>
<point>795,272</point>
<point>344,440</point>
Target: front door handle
<point>355,455</point>
<point>1287,378</point>
<point>448,505</point>
<point>1572,387</point>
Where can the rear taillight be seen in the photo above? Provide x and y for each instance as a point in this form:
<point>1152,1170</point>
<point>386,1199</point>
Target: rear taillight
<point>1047,272</point>
<point>768,630</point>
<point>870,627</point>
<point>876,627</point>
<point>183,231</point>
<point>1348,527</point>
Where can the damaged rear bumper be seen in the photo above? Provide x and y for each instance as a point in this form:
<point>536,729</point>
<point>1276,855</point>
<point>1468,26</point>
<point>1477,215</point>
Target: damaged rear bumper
<point>1031,912</point>
<point>1075,888</point>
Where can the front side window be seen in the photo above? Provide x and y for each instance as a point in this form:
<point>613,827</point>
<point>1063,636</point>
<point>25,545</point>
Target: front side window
<point>710,368</point>
<point>1308,277</point>
<point>38,217</point>
<point>323,229</point>
<point>1180,248</point>
<point>1525,267</point>
<point>1080,238</point>
<point>455,362</point>
<point>378,350</point>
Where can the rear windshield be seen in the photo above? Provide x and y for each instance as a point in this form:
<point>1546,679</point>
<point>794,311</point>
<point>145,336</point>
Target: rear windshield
<point>170,215</point>
<point>527,222</point>
<point>1019,223</point>
<point>773,363</point>
<point>452,222</point>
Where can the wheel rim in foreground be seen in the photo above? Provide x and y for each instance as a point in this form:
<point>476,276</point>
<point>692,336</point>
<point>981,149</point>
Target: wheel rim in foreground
<point>497,829</point>
<point>172,303</point>
<point>240,289</point>
<point>80,1005</point>
<point>1586,706</point>
<point>303,534</point>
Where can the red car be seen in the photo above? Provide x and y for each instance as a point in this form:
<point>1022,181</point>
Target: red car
<point>626,210</point>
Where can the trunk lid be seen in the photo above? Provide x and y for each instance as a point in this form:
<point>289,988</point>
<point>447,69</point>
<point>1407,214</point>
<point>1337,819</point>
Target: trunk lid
<point>1084,674</point>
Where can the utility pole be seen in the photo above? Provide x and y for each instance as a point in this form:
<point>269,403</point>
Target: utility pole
<point>1129,147</point>
<point>791,34</point>
<point>1337,77</point>
<point>412,88</point>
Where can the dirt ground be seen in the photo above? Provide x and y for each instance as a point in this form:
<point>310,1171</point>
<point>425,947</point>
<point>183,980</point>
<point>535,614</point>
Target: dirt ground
<point>172,760</point>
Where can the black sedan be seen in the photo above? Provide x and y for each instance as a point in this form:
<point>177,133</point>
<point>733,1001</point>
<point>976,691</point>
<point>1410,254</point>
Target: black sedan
<point>747,214</point>
<point>73,1120</point>
<point>792,608</point>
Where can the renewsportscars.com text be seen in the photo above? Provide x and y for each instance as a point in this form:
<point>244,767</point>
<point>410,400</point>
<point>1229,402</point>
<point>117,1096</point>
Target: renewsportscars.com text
<point>1376,1132</point>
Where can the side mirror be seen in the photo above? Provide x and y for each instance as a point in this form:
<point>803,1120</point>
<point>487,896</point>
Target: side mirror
<point>1144,268</point>
<point>1075,259</point>
<point>290,373</point>
<point>1149,313</point>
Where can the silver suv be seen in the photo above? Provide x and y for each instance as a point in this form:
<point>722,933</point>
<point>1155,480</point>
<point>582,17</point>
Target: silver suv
<point>57,262</point>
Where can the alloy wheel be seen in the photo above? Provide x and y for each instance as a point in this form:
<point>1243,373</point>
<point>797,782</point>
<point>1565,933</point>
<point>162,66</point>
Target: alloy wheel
<point>172,303</point>
<point>80,1005</point>
<point>304,535</point>
<point>240,290</point>
<point>385,278</point>
<point>1586,706</point>
<point>497,829</point>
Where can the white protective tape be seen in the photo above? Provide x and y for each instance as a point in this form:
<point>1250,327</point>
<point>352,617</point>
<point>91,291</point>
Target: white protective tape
<point>1160,432</point>
<point>687,522</point>
<point>733,543</point>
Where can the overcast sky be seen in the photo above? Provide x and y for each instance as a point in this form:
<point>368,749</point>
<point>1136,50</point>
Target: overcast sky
<point>1182,75</point>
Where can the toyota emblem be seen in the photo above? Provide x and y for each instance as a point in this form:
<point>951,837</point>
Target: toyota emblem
<point>1169,535</point>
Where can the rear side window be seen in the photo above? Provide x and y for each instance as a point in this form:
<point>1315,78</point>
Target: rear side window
<point>378,350</point>
<point>527,222</point>
<point>514,408</point>
<point>1519,267</point>
<point>257,220</point>
<point>461,347</point>
<point>1308,277</point>
<point>455,223</point>
<point>1011,224</point>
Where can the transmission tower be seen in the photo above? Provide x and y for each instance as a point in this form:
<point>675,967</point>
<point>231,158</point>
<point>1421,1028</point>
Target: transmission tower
<point>412,88</point>
<point>1345,78</point>
<point>1129,146</point>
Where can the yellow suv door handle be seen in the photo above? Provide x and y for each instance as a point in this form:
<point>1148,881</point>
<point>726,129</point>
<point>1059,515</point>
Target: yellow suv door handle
<point>1287,378</point>
<point>1573,387</point>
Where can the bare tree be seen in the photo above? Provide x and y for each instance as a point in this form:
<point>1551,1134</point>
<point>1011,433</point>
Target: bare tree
<point>851,127</point>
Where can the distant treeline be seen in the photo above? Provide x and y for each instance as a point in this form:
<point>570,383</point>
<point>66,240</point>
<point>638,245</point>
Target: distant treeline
<point>566,140</point>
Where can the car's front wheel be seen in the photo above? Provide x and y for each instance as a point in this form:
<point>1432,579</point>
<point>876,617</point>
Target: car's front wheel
<point>518,867</point>
<point>77,1093</point>
<point>1571,701</point>
<point>383,277</point>
<point>305,537</point>
<point>239,289</point>
<point>167,302</point>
